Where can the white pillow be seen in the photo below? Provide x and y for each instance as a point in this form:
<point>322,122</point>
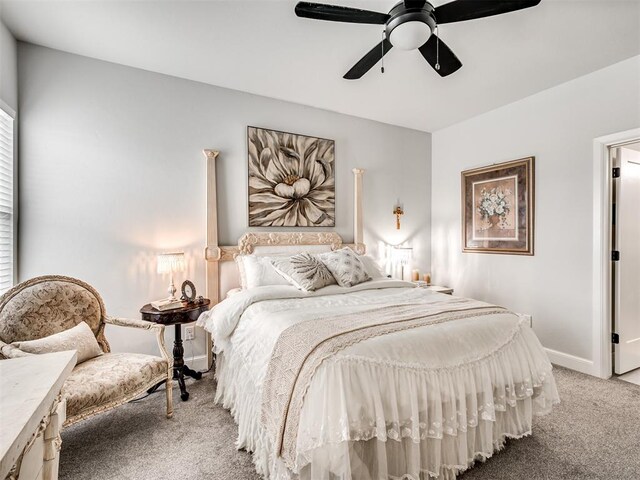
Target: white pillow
<point>243,276</point>
<point>79,338</point>
<point>372,267</point>
<point>258,271</point>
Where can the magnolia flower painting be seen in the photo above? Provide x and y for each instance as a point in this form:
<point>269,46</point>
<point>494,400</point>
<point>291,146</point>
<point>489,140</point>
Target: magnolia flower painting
<point>291,180</point>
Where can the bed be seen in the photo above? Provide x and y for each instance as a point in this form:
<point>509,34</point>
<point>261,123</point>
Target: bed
<point>380,380</point>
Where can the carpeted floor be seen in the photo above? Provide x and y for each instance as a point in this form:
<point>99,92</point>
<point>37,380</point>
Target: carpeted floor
<point>593,434</point>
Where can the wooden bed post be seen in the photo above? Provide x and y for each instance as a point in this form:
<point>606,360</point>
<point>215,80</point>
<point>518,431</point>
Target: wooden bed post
<point>358,224</point>
<point>212,251</point>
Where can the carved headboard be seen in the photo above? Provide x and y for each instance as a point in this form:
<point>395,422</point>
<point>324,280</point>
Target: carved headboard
<point>221,270</point>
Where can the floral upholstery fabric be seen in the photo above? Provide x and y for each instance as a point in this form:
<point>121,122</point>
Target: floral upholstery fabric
<point>110,379</point>
<point>49,307</point>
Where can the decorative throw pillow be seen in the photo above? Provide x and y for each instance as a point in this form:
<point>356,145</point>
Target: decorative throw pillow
<point>79,338</point>
<point>371,266</point>
<point>345,266</point>
<point>304,271</point>
<point>257,271</point>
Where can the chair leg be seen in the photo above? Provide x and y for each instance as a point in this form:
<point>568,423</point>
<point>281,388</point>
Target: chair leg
<point>169,387</point>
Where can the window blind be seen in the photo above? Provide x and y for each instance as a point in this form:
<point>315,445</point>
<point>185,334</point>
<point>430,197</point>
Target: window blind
<point>6,201</point>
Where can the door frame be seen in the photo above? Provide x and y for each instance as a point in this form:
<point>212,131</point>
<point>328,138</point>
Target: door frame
<point>602,355</point>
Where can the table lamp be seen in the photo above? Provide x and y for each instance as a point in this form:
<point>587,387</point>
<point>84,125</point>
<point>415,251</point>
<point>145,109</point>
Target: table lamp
<point>401,256</point>
<point>170,263</point>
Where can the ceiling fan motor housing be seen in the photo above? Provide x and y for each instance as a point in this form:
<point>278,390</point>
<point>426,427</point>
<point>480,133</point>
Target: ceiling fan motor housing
<point>410,28</point>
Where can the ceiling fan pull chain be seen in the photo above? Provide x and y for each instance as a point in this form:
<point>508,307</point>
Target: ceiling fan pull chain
<point>382,45</point>
<point>437,49</point>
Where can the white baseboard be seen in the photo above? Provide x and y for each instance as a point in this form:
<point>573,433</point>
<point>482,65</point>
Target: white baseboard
<point>578,364</point>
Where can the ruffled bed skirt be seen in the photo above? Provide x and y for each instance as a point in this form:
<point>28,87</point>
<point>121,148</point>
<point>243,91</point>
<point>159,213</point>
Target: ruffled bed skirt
<point>409,422</point>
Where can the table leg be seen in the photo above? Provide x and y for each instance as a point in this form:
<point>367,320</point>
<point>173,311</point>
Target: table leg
<point>178,363</point>
<point>191,373</point>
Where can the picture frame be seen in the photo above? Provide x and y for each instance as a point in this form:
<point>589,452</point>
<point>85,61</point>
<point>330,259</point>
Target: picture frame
<point>291,179</point>
<point>188,290</point>
<point>498,208</point>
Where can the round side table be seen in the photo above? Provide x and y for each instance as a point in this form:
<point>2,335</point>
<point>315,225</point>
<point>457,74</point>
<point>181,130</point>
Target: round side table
<point>188,313</point>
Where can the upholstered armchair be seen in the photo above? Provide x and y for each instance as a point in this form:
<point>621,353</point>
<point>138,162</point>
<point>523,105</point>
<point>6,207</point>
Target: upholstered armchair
<point>47,305</point>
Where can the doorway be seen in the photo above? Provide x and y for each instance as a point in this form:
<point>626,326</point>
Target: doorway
<point>625,260</point>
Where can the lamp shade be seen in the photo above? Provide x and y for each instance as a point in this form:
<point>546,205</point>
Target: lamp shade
<point>171,262</point>
<point>401,255</point>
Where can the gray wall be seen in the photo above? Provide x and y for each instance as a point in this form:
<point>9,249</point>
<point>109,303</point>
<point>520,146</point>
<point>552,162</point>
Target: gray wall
<point>557,126</point>
<point>112,173</point>
<point>8,67</point>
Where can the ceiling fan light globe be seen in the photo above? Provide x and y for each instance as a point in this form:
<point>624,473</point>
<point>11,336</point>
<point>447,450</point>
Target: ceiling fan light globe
<point>410,35</point>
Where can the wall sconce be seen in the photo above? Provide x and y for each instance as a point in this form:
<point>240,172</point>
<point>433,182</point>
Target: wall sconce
<point>398,211</point>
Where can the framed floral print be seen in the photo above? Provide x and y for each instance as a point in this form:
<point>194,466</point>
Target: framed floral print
<point>497,208</point>
<point>291,179</point>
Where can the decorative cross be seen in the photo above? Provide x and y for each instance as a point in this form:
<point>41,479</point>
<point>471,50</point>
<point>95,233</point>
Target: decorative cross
<point>398,212</point>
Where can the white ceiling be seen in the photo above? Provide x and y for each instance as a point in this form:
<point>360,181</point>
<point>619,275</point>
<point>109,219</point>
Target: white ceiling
<point>262,47</point>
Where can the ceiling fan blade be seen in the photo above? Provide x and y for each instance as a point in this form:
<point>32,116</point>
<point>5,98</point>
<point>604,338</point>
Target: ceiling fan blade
<point>414,3</point>
<point>440,54</point>
<point>460,10</point>
<point>334,13</point>
<point>367,62</point>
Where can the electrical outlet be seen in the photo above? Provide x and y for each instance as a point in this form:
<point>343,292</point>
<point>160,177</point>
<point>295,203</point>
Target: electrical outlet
<point>189,333</point>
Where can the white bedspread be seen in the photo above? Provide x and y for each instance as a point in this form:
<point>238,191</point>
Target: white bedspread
<point>418,403</point>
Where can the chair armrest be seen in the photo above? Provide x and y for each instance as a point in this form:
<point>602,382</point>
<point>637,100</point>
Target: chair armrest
<point>9,351</point>
<point>145,325</point>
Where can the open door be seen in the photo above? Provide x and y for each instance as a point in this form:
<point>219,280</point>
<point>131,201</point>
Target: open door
<point>626,263</point>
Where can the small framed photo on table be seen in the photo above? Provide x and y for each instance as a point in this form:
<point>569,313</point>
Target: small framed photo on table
<point>497,208</point>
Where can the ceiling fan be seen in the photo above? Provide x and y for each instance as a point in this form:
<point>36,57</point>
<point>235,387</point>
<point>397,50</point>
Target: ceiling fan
<point>410,25</point>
